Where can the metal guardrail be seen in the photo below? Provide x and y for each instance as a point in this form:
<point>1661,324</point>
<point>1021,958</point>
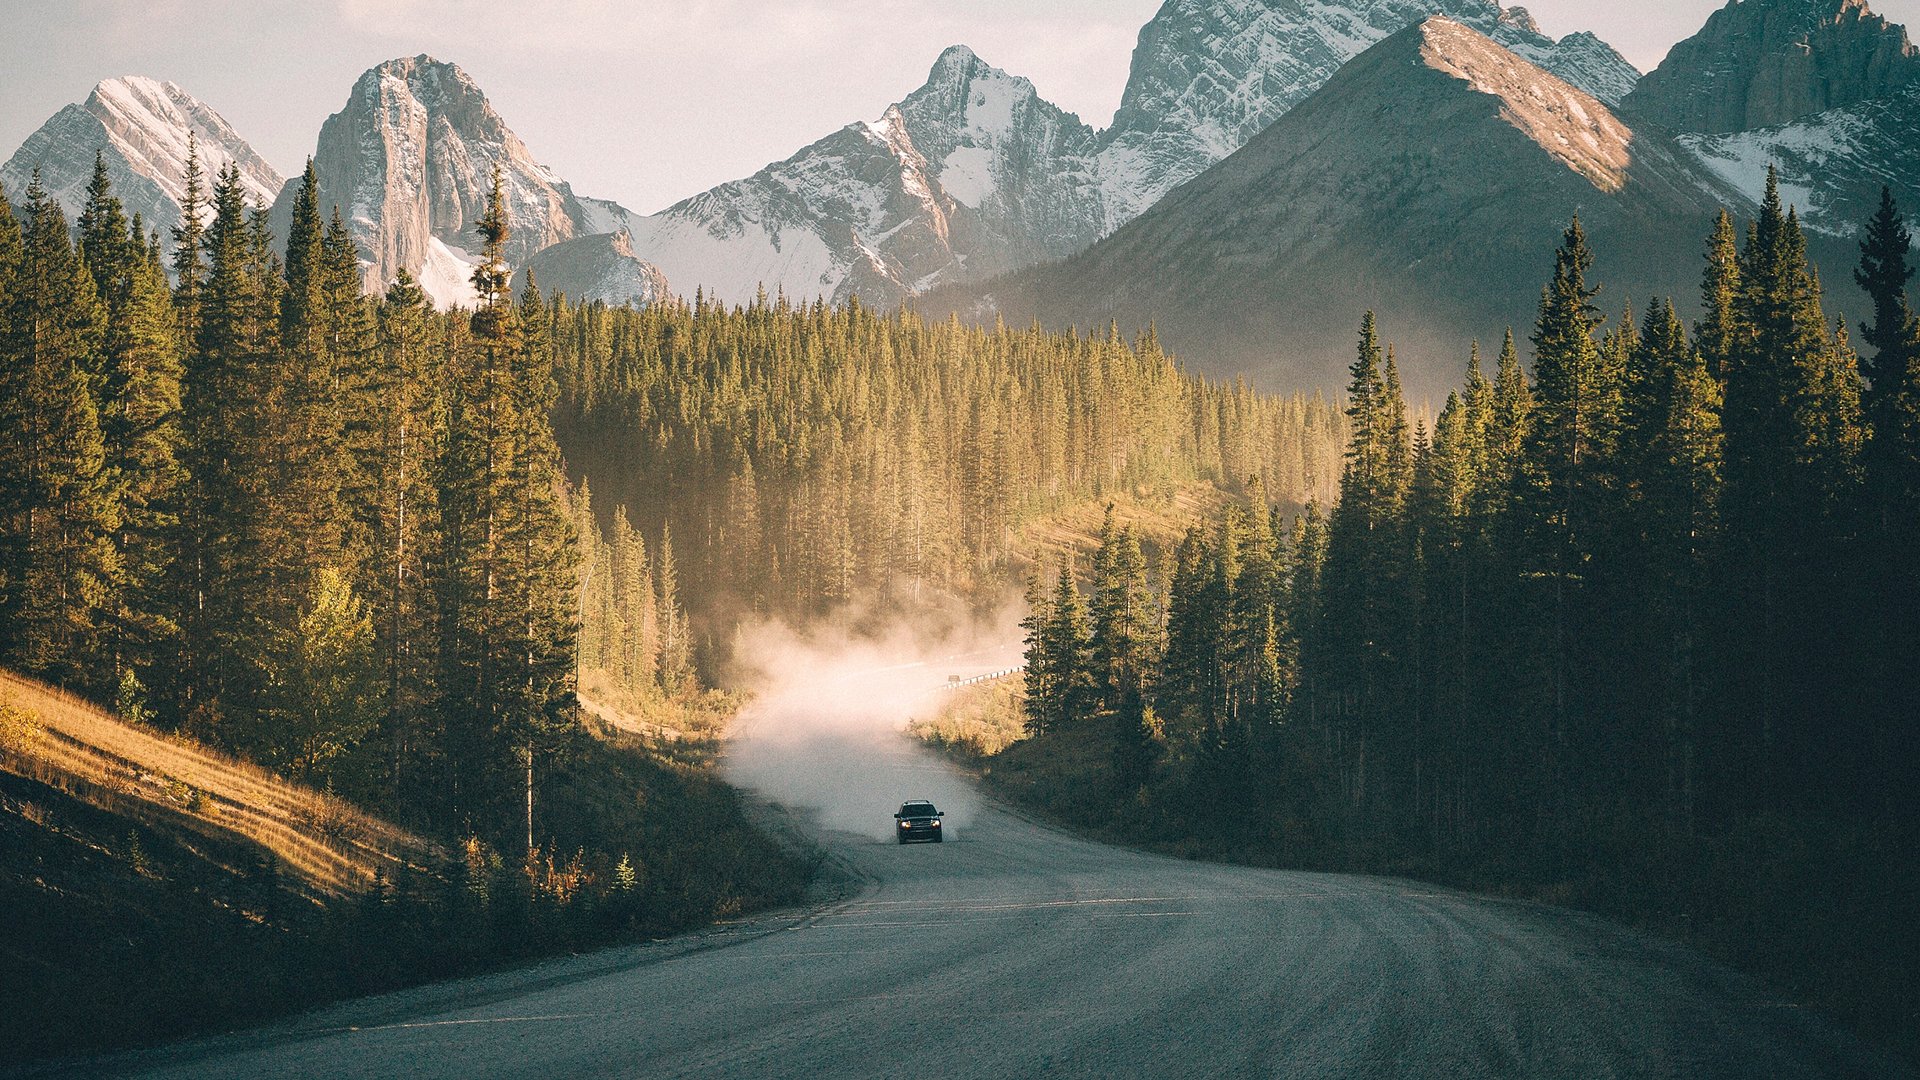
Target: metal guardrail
<point>954,682</point>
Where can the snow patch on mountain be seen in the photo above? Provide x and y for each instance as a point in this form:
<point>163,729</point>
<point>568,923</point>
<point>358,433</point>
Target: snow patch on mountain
<point>446,276</point>
<point>709,248</point>
<point>1832,164</point>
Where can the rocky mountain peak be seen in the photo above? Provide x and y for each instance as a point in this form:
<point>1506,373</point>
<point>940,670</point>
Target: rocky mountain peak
<point>141,127</point>
<point>600,268</point>
<point>409,161</point>
<point>1761,63</point>
<point>1520,19</point>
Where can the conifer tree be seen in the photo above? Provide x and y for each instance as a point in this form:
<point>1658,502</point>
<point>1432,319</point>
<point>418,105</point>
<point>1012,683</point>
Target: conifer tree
<point>676,644</point>
<point>142,440</point>
<point>1122,629</point>
<point>1675,428</point>
<point>1509,422</point>
<point>1069,651</point>
<point>1891,401</point>
<point>635,599</point>
<point>1041,683</point>
<point>1891,405</point>
<point>108,242</point>
<point>1792,440</point>
<point>399,506</point>
<point>1562,494</point>
<point>59,507</point>
<point>229,388</point>
<point>1885,249</point>
<point>1720,331</point>
<point>540,556</point>
<point>189,269</point>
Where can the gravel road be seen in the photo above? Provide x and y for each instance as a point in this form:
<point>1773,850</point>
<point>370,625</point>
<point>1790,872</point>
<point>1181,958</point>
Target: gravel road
<point>1018,950</point>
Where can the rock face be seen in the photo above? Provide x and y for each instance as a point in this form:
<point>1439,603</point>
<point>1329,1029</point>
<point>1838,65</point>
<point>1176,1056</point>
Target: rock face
<point>600,267</point>
<point>1208,75</point>
<point>409,161</point>
<point>969,175</point>
<point>141,126</point>
<point>1429,180</point>
<point>1763,63</point>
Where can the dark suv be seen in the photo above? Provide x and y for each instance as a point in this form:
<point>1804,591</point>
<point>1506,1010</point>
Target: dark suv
<point>917,820</point>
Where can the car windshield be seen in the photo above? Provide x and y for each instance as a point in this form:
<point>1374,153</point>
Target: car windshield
<point>918,809</point>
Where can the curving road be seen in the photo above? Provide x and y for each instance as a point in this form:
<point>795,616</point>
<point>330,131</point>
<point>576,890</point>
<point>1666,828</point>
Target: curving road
<point>1022,951</point>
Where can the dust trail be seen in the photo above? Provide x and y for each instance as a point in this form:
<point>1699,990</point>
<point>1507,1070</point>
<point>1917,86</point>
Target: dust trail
<point>825,730</point>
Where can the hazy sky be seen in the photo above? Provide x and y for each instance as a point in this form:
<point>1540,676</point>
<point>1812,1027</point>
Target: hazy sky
<point>642,101</point>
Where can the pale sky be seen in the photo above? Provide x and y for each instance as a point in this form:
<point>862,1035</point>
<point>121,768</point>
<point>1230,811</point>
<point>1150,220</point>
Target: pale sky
<point>641,101</point>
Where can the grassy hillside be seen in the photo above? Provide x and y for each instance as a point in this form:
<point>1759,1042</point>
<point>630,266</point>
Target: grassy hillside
<point>153,887</point>
<point>324,846</point>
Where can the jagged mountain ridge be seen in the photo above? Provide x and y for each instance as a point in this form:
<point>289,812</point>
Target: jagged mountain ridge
<point>140,127</point>
<point>1428,180</point>
<point>1763,63</point>
<point>971,174</point>
<point>974,174</point>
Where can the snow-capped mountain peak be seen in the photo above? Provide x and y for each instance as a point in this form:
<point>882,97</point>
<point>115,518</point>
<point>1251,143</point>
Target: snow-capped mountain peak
<point>140,126</point>
<point>971,174</point>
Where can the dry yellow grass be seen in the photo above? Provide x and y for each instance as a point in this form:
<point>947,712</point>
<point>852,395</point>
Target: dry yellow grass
<point>1158,521</point>
<point>326,844</point>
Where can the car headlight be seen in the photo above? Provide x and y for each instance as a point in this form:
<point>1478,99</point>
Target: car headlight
<point>936,824</point>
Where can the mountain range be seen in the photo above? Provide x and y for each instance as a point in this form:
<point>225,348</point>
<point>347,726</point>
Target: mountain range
<point>1350,202</point>
<point>1273,164</point>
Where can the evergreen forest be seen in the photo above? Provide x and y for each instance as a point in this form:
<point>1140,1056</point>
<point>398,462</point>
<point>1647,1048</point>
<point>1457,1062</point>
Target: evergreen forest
<point>335,532</point>
<point>1636,631</point>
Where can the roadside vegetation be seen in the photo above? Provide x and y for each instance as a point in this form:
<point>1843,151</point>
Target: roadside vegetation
<point>1634,634</point>
<point>155,887</point>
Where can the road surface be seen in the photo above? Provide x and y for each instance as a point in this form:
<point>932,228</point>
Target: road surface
<point>1019,950</point>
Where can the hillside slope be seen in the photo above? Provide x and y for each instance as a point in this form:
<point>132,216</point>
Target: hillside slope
<point>327,847</point>
<point>151,887</point>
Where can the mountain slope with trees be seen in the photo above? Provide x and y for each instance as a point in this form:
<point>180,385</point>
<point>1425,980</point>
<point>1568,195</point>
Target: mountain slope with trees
<point>1635,632</point>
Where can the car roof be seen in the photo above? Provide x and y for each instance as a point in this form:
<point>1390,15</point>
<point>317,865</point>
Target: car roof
<point>917,802</point>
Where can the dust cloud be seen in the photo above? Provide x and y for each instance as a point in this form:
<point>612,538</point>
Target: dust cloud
<point>824,734</point>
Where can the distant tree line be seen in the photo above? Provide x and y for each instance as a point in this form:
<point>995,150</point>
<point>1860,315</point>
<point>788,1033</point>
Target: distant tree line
<point>802,456</point>
<point>1647,617</point>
